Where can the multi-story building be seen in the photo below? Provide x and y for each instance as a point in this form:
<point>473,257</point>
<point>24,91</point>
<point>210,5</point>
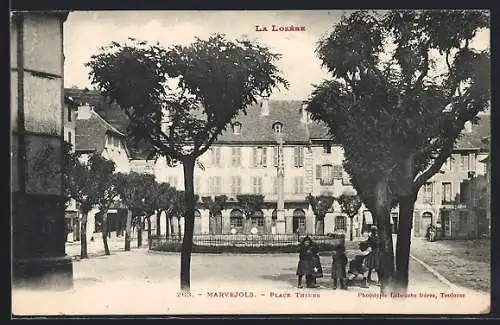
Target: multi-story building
<point>37,113</point>
<point>446,190</point>
<point>70,113</point>
<point>244,160</point>
<point>95,135</point>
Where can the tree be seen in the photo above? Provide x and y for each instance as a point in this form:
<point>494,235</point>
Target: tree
<point>162,203</point>
<point>104,190</point>
<point>133,190</point>
<point>320,205</point>
<point>398,114</point>
<point>215,206</point>
<point>80,188</point>
<point>250,203</point>
<point>215,80</point>
<point>350,204</point>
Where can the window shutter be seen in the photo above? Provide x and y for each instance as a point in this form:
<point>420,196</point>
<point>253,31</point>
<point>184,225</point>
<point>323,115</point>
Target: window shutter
<point>332,173</point>
<point>318,171</point>
<point>295,157</point>
<point>254,157</point>
<point>264,156</point>
<point>217,156</point>
<point>301,156</point>
<point>275,156</point>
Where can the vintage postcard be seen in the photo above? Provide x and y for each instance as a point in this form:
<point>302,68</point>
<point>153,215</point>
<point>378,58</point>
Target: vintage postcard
<point>250,162</point>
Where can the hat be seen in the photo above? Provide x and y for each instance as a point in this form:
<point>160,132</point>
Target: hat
<point>373,227</point>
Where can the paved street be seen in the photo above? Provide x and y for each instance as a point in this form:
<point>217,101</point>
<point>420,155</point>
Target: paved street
<point>142,282</point>
<point>464,262</point>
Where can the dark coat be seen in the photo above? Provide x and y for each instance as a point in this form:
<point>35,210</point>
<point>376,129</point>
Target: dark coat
<point>373,260</point>
<point>308,261</point>
<point>339,262</point>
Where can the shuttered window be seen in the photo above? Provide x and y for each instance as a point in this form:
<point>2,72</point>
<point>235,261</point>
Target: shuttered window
<point>259,157</point>
<point>337,172</point>
<point>325,174</point>
<point>298,155</point>
<point>236,156</point>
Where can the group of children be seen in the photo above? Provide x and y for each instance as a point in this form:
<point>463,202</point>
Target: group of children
<point>359,269</point>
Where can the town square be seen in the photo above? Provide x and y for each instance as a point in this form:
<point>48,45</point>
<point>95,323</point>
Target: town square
<point>188,162</point>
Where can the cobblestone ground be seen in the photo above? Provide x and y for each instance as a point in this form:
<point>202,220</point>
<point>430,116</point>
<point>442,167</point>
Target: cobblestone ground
<point>142,282</point>
<point>463,262</point>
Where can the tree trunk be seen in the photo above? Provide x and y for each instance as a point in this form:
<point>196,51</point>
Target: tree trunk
<point>179,228</point>
<point>128,227</point>
<point>320,226</point>
<point>148,219</point>
<point>167,227</point>
<point>83,236</point>
<point>403,244</point>
<point>351,228</point>
<point>139,232</point>
<point>187,243</point>
<point>158,223</point>
<point>386,272</point>
<point>105,232</point>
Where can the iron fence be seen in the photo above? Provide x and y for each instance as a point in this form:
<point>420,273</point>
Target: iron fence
<point>247,240</point>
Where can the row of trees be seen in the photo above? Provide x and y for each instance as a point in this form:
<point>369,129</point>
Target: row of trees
<point>95,184</point>
<point>388,103</point>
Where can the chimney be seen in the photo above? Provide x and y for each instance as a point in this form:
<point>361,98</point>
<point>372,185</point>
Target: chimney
<point>468,127</point>
<point>264,106</point>
<point>84,112</point>
<point>305,114</point>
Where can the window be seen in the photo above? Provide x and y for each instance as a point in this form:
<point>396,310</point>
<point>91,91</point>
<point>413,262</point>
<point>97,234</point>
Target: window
<point>275,156</point>
<point>278,127</point>
<point>327,148</point>
<point>70,111</point>
<point>258,219</point>
<point>340,223</point>
<point>237,128</point>
<point>236,222</point>
<point>428,193</point>
<point>464,191</point>
<point>257,185</point>
<point>299,185</point>
<point>325,174</point>
<point>214,184</point>
<point>69,138</point>
<point>236,156</point>
<point>298,155</point>
<point>215,156</point>
<point>275,185</point>
<point>259,157</point>
<point>235,185</point>
<point>236,219</point>
<point>337,171</point>
<point>447,165</point>
<point>447,192</point>
<point>464,161</point>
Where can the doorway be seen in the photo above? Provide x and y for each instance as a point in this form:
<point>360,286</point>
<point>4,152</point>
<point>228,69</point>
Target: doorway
<point>426,220</point>
<point>299,221</point>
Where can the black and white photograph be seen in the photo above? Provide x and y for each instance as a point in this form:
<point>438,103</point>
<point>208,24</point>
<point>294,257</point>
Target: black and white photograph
<point>250,162</point>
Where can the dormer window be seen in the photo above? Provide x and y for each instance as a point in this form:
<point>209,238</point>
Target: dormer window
<point>237,128</point>
<point>278,127</point>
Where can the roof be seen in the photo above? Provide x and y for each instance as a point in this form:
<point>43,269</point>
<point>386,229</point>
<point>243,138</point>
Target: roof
<point>475,139</point>
<point>90,133</point>
<point>258,128</point>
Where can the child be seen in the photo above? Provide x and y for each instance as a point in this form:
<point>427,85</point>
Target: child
<point>306,264</point>
<point>357,267</point>
<point>339,262</point>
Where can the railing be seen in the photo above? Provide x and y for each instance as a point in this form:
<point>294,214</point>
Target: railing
<point>248,240</point>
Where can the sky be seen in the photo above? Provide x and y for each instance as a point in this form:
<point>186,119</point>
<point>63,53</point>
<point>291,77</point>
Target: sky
<point>86,31</point>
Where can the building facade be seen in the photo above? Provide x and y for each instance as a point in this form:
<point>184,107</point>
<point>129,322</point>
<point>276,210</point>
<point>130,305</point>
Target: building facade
<point>442,201</point>
<point>96,135</point>
<point>37,139</point>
